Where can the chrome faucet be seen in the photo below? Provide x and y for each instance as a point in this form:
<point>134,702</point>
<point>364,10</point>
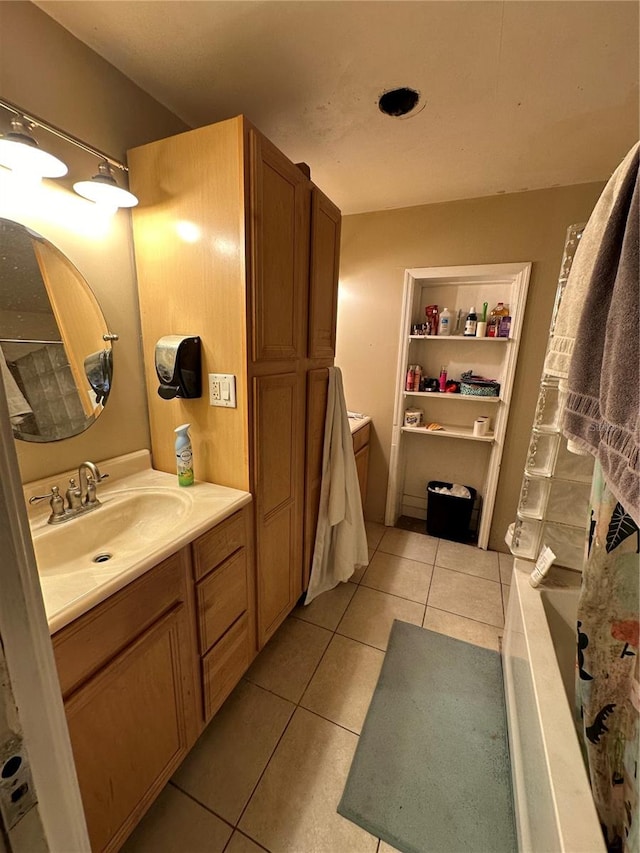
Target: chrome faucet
<point>88,477</point>
<point>80,499</point>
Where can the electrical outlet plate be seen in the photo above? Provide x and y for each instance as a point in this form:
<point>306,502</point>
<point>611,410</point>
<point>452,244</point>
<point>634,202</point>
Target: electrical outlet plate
<point>222,390</point>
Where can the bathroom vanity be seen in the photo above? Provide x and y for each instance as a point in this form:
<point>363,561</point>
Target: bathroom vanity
<point>150,642</point>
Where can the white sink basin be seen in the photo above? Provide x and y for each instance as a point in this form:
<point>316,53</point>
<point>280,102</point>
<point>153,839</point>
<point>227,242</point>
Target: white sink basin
<point>124,527</point>
<point>144,518</point>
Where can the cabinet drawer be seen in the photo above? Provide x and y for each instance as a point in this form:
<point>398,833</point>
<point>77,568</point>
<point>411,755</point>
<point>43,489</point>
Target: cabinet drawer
<point>361,437</point>
<point>214,547</point>
<point>224,666</point>
<point>222,597</point>
<point>83,647</point>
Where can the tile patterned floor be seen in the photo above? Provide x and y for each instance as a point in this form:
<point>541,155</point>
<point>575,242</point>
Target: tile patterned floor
<point>268,772</point>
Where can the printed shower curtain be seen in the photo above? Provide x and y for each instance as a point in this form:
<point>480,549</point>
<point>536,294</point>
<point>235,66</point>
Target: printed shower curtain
<point>608,677</point>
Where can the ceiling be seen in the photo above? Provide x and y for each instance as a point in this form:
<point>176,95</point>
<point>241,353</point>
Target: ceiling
<point>517,95</point>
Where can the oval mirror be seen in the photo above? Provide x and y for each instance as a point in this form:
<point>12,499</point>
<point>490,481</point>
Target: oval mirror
<point>55,350</point>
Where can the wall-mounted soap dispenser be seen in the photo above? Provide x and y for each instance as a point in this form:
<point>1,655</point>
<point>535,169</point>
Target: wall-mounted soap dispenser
<point>178,366</point>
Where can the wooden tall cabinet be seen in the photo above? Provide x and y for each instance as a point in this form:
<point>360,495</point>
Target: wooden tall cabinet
<point>235,244</point>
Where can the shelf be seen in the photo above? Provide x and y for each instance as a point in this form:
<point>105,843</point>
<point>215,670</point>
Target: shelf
<point>438,395</point>
<point>458,338</point>
<point>414,462</point>
<point>451,432</point>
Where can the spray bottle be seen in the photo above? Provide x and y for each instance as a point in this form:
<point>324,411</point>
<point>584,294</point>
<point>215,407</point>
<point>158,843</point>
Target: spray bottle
<point>184,455</point>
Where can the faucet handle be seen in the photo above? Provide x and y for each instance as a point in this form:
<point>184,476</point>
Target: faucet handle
<point>56,503</point>
<point>55,492</point>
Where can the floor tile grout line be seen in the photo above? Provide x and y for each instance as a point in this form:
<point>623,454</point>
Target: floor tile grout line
<point>201,804</point>
<point>470,618</point>
<point>327,720</point>
<point>255,787</point>
<point>244,834</point>
<point>298,705</point>
<point>395,595</point>
<point>384,592</point>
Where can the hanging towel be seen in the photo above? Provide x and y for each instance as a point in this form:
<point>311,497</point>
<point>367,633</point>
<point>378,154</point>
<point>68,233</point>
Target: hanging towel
<point>18,406</point>
<point>561,345</point>
<point>602,413</point>
<point>341,539</point>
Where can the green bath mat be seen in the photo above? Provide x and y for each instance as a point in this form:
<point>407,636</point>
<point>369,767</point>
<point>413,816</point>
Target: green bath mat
<point>431,771</point>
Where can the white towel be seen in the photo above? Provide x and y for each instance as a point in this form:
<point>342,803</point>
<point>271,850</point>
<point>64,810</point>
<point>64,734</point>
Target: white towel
<point>558,357</point>
<point>18,406</point>
<point>341,538</point>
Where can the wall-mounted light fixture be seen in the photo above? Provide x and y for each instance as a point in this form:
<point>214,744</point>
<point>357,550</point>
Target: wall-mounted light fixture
<point>20,152</point>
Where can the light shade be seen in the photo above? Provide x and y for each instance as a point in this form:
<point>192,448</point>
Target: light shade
<point>20,152</point>
<point>103,189</point>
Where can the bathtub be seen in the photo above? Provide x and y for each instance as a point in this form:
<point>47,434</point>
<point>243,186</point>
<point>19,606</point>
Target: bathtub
<point>553,804</point>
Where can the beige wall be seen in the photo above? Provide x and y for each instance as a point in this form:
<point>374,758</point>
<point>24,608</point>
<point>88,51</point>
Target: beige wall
<point>376,250</point>
<point>48,72</point>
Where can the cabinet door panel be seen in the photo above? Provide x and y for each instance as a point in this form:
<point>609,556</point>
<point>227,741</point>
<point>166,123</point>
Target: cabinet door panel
<point>276,440</point>
<point>279,571</point>
<point>125,751</point>
<point>278,459</point>
<point>323,287</point>
<point>317,387</point>
<point>362,467</point>
<point>279,252</point>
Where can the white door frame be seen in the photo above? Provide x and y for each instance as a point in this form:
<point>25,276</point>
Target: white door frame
<point>31,667</point>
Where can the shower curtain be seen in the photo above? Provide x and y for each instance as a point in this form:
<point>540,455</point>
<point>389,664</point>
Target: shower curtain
<point>608,678</point>
<point>602,417</point>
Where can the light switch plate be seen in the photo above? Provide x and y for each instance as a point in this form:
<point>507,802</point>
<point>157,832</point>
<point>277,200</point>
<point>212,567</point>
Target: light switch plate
<point>222,390</point>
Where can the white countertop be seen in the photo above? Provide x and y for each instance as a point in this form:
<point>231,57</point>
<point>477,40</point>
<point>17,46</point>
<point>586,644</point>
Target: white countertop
<point>68,594</point>
<point>357,423</point>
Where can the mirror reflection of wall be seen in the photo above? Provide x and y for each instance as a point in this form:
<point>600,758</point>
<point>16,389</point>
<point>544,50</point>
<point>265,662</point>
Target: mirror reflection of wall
<point>55,362</point>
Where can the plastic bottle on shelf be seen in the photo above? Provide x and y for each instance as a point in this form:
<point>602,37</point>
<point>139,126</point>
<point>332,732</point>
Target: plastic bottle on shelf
<point>445,322</point>
<point>471,323</point>
<point>408,386</point>
<point>443,378</point>
<point>417,375</point>
<point>493,326</point>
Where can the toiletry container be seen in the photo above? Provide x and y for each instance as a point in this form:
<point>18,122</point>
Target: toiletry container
<point>445,322</point>
<point>184,455</point>
<point>471,323</point>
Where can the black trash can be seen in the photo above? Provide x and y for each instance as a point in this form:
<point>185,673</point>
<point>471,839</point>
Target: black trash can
<point>448,516</point>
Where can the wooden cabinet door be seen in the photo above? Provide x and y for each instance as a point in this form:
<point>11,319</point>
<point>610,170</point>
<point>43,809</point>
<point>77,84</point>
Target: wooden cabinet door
<point>278,471</point>
<point>362,467</point>
<point>279,257</point>
<point>323,284</point>
<point>317,388</point>
<point>128,729</point>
